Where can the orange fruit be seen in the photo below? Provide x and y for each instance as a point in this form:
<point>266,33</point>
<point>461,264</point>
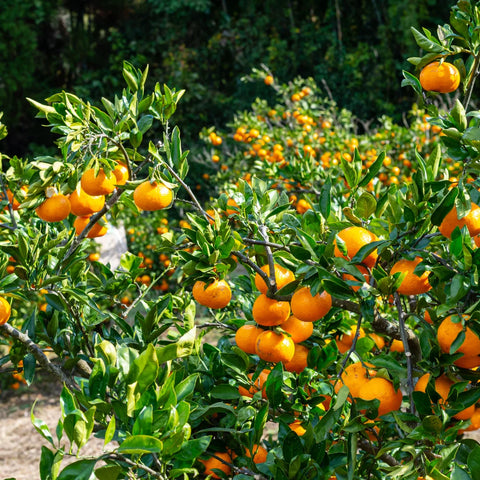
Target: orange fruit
<point>381,389</point>
<point>351,278</point>
<point>94,257</point>
<point>270,312</point>
<point>397,346</point>
<point>310,308</point>
<point>98,184</point>
<point>355,238</point>
<point>296,426</point>
<point>258,385</point>
<point>412,284</point>
<point>246,337</point>
<point>83,204</point>
<point>216,294</point>
<point>152,196</point>
<point>5,311</point>
<point>214,463</point>
<point>98,229</point>
<point>259,454</point>
<point>11,197</point>
<point>471,221</point>
<point>345,341</point>
<point>448,331</point>
<point>442,386</point>
<point>121,174</point>
<point>442,78</point>
<point>268,80</point>
<point>231,203</point>
<point>379,341</point>
<point>298,363</point>
<point>55,208</point>
<point>299,331</point>
<point>354,377</point>
<point>303,206</point>
<point>274,347</point>
<point>283,276</point>
<point>474,420</point>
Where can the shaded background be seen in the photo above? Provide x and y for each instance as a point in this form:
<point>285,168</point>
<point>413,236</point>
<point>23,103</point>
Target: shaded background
<point>355,47</point>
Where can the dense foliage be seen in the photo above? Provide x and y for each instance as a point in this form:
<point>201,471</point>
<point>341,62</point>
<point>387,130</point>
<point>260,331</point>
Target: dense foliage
<point>355,50</point>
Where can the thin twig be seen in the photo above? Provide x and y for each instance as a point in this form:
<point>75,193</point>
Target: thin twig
<point>408,355</point>
<point>272,282</point>
<point>353,346</point>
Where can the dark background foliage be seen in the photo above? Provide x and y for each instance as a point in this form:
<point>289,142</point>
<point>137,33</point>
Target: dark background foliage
<point>355,49</point>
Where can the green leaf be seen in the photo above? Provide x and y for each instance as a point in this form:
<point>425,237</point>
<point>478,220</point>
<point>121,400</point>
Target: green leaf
<point>366,205</point>
<point>373,170</point>
<point>108,472</point>
<point>325,200</point>
<point>46,463</point>
<point>144,370</point>
<point>186,387</point>
<point>425,43</point>
<point>138,444</point>
<point>459,116</point>
<point>225,392</point>
<point>81,470</point>
<point>473,463</point>
<point>190,451</point>
<point>110,432</point>
<point>410,80</point>
<point>444,207</point>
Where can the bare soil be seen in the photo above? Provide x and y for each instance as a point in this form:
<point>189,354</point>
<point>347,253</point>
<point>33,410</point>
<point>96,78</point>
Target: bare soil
<point>20,444</point>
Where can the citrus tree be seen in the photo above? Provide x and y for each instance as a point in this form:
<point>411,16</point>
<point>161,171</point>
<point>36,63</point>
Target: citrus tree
<point>316,318</point>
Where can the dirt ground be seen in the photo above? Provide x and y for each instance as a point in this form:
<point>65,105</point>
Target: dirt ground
<point>20,444</point>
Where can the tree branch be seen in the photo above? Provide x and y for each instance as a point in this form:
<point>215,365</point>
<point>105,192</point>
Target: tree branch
<point>37,352</point>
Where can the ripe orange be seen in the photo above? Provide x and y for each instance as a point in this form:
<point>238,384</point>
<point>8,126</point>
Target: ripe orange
<point>83,204</point>
<point>259,454</point>
<point>355,238</point>
<point>442,386</point>
<point>258,385</point>
<point>216,294</point>
<point>448,331</point>
<point>283,276</point>
<point>121,174</point>
<point>397,346</point>
<point>296,426</point>
<point>442,78</point>
<point>354,377</point>
<point>98,184</point>
<point>345,341</point>
<point>298,363</point>
<point>213,463</point>
<point>379,341</point>
<point>310,308</point>
<point>55,208</point>
<point>274,347</point>
<point>299,331</point>
<point>383,390</point>
<point>98,230</point>
<point>5,311</point>
<point>412,284</point>
<point>268,80</point>
<point>12,199</point>
<point>356,287</point>
<point>94,257</point>
<point>150,196</point>
<point>303,206</point>
<point>270,312</point>
<point>471,221</point>
<point>246,337</point>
